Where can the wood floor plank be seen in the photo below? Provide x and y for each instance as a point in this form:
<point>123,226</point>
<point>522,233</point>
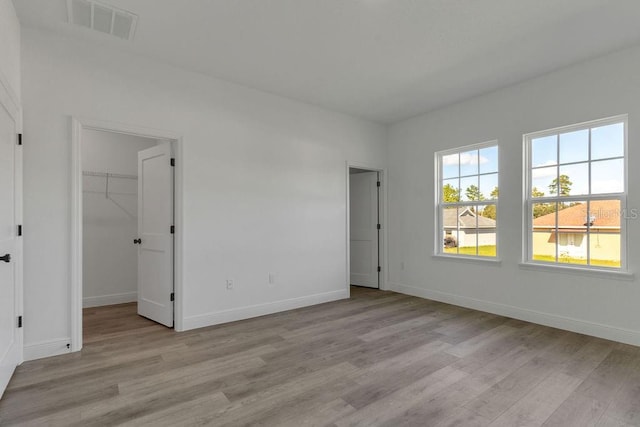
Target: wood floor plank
<point>376,359</point>
<point>577,411</point>
<point>511,389</point>
<point>536,407</point>
<point>395,405</point>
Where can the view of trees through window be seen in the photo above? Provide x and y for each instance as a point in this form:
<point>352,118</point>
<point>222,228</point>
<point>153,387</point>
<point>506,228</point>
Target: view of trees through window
<point>468,201</point>
<point>576,193</point>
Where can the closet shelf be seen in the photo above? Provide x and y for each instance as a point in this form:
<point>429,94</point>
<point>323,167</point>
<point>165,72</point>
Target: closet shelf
<point>109,175</point>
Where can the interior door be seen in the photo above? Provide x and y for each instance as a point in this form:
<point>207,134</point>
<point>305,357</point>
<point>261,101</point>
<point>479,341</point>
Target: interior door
<point>155,237</point>
<point>10,338</point>
<point>363,216</point>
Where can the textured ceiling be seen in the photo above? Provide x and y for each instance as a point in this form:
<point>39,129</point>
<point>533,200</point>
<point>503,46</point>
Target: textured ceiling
<point>383,60</point>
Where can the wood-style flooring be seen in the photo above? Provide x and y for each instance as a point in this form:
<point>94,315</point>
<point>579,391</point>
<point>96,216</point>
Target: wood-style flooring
<point>378,359</point>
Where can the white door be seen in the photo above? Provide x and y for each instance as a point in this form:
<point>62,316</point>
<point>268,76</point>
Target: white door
<point>363,213</point>
<point>155,238</point>
<point>10,336</point>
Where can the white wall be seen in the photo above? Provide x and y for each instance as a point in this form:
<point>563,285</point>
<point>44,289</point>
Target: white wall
<point>9,48</point>
<point>110,259</point>
<point>601,306</point>
<point>264,182</point>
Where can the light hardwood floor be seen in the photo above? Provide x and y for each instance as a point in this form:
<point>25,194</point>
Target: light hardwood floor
<point>380,358</point>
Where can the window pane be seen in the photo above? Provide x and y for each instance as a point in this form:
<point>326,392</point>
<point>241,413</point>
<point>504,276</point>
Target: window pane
<point>607,176</point>
<point>451,190</point>
<point>572,232</point>
<point>607,141</point>
<point>102,19</point>
<point>574,179</point>
<point>450,166</point>
<point>487,230</point>
<point>574,146</point>
<point>469,189</point>
<point>541,180</point>
<point>544,151</point>
<point>605,241</point>
<point>489,160</point>
<point>469,163</point>
<point>450,232</point>
<point>489,186</point>
<point>544,232</point>
<point>468,232</point>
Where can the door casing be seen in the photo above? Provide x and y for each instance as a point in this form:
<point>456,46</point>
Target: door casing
<point>384,276</point>
<point>78,124</point>
<point>9,102</point>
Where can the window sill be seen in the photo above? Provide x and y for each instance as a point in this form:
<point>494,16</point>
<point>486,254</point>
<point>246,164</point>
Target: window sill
<point>468,259</point>
<point>565,269</point>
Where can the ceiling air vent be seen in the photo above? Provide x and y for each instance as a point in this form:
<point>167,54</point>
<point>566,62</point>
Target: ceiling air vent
<point>102,17</point>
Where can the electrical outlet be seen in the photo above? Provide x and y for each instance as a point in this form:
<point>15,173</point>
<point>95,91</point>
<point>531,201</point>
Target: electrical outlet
<point>229,284</point>
<point>272,278</point>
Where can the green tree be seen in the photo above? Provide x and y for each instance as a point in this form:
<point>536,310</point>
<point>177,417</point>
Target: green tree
<point>541,209</point>
<point>494,193</point>
<point>450,194</point>
<point>561,186</point>
<point>489,211</point>
<point>536,193</point>
<point>473,193</point>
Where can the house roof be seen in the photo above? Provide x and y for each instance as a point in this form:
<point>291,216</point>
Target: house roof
<point>603,213</point>
<point>466,219</point>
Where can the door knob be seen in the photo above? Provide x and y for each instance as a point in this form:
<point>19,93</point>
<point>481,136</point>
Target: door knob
<point>6,258</point>
<point>137,241</point>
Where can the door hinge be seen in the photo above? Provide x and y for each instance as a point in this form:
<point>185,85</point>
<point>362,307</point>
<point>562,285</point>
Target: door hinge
<point>172,296</point>
<point>173,229</point>
<point>19,231</point>
<point>379,226</point>
<point>19,321</point>
<point>379,269</point>
<point>19,141</point>
<point>172,162</point>
<point>378,183</point>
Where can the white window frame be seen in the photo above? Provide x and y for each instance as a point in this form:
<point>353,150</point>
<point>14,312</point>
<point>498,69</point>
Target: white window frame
<point>529,201</point>
<point>440,205</point>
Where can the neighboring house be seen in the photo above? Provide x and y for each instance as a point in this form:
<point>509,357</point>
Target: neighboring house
<point>571,234</point>
<point>469,228</point>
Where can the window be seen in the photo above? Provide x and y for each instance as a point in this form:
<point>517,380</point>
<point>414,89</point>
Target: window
<point>467,201</point>
<point>576,195</point>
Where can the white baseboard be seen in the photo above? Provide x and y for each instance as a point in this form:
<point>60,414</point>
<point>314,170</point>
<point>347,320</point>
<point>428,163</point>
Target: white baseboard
<point>47,349</point>
<point>5,376</point>
<point>627,336</point>
<point>109,299</point>
<point>242,313</point>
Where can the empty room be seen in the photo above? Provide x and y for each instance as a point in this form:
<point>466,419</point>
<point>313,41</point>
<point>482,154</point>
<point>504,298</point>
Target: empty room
<point>319,213</point>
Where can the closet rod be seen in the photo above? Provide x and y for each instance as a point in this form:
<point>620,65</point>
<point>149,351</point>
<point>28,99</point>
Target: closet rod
<point>109,175</point>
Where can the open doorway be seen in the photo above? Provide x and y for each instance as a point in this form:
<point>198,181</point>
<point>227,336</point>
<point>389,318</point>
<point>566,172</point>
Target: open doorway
<point>113,264</point>
<point>124,224</point>
<point>364,228</point>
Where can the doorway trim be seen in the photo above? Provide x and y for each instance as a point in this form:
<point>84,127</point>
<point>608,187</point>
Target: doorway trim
<point>79,124</point>
<point>10,102</point>
<point>384,219</point>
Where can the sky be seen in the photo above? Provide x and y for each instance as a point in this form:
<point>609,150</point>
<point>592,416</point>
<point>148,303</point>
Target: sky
<point>568,154</point>
<point>476,167</point>
<point>560,154</point>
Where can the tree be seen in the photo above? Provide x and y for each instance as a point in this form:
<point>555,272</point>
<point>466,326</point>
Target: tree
<point>473,193</point>
<point>561,186</point>
<point>450,194</point>
<point>494,193</point>
<point>541,209</point>
<point>536,193</point>
<point>489,211</point>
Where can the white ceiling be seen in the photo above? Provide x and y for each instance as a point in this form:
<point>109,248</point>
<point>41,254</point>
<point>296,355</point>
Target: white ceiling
<point>383,60</point>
